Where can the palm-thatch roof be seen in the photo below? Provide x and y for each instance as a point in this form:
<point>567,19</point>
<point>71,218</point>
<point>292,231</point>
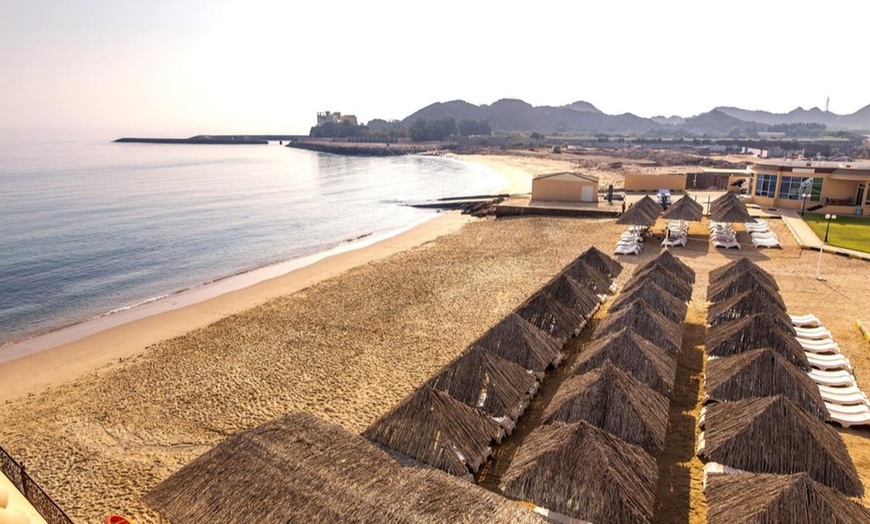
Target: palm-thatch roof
<point>762,373</point>
<point>668,281</point>
<point>601,261</point>
<point>774,435</point>
<point>303,469</point>
<point>752,498</point>
<point>728,287</point>
<point>729,208</point>
<point>754,332</point>
<point>646,322</point>
<point>517,340</point>
<point>655,297</point>
<point>616,402</point>
<point>667,260</point>
<point>588,275</point>
<point>551,316</point>
<point>756,289</point>
<point>574,295</point>
<point>436,429</point>
<point>649,205</point>
<point>634,354</point>
<point>746,304</point>
<point>491,384</point>
<point>738,267</point>
<point>583,472</point>
<point>638,215</point>
<point>685,209</point>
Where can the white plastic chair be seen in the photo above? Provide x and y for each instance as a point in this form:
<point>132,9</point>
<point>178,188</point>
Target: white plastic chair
<point>832,378</point>
<point>808,320</point>
<point>844,399</point>
<point>816,333</point>
<point>819,346</point>
<point>829,362</point>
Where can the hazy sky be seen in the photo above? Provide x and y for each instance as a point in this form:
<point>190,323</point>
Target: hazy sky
<point>268,66</point>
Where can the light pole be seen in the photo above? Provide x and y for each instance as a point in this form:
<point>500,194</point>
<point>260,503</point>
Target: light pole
<point>828,218</point>
<point>804,196</point>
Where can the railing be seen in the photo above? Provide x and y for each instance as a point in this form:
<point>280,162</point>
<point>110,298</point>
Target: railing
<point>28,487</point>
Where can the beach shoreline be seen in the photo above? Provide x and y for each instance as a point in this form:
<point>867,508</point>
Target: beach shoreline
<point>71,351</point>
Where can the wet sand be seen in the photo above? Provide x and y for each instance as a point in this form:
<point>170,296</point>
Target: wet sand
<point>350,344</point>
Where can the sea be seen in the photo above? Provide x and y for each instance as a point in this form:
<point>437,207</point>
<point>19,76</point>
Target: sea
<point>89,227</point>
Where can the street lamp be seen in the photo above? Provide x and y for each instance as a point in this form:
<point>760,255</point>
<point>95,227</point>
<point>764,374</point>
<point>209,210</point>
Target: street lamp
<point>804,196</point>
<point>828,218</point>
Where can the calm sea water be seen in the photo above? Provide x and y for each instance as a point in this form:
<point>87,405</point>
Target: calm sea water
<point>88,226</point>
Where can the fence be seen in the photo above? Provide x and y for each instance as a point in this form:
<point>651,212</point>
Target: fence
<point>28,487</point>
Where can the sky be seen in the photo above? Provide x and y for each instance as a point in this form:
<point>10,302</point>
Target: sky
<point>259,66</point>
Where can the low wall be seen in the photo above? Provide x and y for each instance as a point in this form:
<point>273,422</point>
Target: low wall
<point>642,182</point>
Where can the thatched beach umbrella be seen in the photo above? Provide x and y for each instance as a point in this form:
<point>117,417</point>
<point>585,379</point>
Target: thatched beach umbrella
<point>601,261</point>
<point>615,401</point>
<point>775,435</point>
<point>436,429</point>
<point>731,213</point>
<point>667,260</point>
<point>738,267</point>
<point>754,332</point>
<point>746,304</point>
<point>685,209</point>
<point>646,322</point>
<point>499,388</point>
<point>303,469</point>
<point>762,373</point>
<point>574,295</point>
<point>655,297</point>
<point>551,316</point>
<point>519,341</point>
<point>669,281</point>
<point>634,354</point>
<point>648,204</point>
<point>725,289</point>
<point>585,473</point>
<point>588,275</point>
<point>751,498</point>
<point>638,216</point>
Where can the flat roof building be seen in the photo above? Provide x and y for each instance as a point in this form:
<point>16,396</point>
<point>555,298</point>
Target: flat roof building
<point>824,187</point>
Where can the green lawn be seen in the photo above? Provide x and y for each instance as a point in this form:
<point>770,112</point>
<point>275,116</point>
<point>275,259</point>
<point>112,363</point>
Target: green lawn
<point>849,232</point>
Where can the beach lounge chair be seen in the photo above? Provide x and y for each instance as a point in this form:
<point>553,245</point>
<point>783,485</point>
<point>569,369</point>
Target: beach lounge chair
<point>849,420</point>
<point>674,241</point>
<point>625,249</point>
<point>727,244</point>
<point>714,468</point>
<point>758,228</point>
<point>808,320</point>
<point>829,362</point>
<point>842,390</point>
<point>819,346</point>
<point>832,378</point>
<point>816,333</point>
<point>854,409</point>
<point>766,242</point>
<point>844,399</point>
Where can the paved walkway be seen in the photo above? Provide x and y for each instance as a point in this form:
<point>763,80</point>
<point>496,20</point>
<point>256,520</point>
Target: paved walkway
<point>807,239</point>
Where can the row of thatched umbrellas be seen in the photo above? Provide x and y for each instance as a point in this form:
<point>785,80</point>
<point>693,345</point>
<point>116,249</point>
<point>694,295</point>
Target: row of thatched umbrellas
<point>592,459</point>
<point>765,415</point>
<point>646,211</point>
<point>452,421</point>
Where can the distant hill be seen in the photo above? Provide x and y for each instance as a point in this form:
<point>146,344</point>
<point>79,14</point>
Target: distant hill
<point>508,115</point>
<point>511,115</point>
<point>859,120</point>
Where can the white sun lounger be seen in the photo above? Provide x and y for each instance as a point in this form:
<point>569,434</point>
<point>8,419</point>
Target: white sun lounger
<point>766,242</point>
<point>832,378</point>
<point>808,320</point>
<point>829,362</point>
<point>816,333</point>
<point>854,409</point>
<point>714,468</point>
<point>725,244</point>
<point>842,390</point>
<point>819,346</point>
<point>848,420</point>
<point>622,249</point>
<point>844,399</point>
<point>674,241</point>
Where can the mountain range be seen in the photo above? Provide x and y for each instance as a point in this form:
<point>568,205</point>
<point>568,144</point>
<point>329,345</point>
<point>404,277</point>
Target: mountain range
<point>511,115</point>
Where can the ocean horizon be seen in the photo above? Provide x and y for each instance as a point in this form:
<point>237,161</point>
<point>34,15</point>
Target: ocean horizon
<point>91,227</point>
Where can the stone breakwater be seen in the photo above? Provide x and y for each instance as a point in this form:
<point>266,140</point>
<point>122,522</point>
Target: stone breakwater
<point>366,148</point>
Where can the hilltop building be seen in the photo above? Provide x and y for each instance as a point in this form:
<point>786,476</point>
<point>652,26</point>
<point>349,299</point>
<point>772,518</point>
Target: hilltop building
<point>328,117</point>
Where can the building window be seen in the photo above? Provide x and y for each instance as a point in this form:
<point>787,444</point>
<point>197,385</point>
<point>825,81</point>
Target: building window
<point>790,188</point>
<point>766,186</point>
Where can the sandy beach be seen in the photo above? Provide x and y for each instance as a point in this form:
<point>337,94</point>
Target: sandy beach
<point>102,420</point>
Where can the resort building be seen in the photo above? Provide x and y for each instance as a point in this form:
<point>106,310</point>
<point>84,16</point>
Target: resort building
<point>565,187</point>
<point>825,187</point>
